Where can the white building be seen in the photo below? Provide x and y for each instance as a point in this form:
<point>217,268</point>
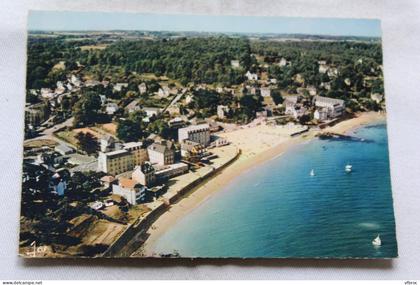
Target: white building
<point>161,153</point>
<point>122,160</point>
<point>111,108</point>
<point>131,190</point>
<point>251,76</point>
<point>103,99</point>
<point>195,133</point>
<point>235,63</point>
<point>164,91</point>
<point>115,162</point>
<point>189,98</point>
<point>64,149</point>
<point>283,62</point>
<point>172,171</point>
<point>119,86</point>
<point>144,174</point>
<point>221,111</point>
<point>334,107</point>
<point>150,111</point>
<point>142,88</point>
<point>321,114</point>
<point>293,107</point>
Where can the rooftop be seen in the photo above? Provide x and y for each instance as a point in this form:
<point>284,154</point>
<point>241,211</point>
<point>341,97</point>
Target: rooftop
<point>328,100</point>
<point>196,127</point>
<point>132,145</point>
<point>115,153</point>
<point>159,147</point>
<point>127,183</point>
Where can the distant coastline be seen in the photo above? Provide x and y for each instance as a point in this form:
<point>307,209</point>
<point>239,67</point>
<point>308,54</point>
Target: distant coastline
<point>250,158</point>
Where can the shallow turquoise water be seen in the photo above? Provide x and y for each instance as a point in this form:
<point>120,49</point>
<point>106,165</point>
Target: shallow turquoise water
<point>278,210</point>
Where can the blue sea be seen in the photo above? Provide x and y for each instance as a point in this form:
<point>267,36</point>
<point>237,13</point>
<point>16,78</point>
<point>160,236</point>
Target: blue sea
<point>277,209</point>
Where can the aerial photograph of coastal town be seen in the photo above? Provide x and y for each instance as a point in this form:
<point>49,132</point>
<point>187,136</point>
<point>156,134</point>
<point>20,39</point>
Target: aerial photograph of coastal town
<point>180,136</point>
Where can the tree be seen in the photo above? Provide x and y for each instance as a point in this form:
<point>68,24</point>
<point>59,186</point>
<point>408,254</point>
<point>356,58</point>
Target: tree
<point>87,142</point>
<point>86,109</point>
<point>276,96</point>
<point>159,127</point>
<point>249,105</point>
<point>128,130</point>
<point>304,119</point>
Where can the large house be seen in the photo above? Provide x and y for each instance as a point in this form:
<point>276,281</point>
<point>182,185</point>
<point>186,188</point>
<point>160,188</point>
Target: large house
<point>161,153</point>
<point>131,190</point>
<point>332,107</point>
<point>122,160</point>
<point>144,174</point>
<point>115,162</point>
<point>138,151</point>
<point>196,133</point>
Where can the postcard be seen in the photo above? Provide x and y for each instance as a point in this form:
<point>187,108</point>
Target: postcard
<point>187,136</point>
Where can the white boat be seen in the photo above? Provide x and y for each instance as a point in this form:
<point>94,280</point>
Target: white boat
<point>377,241</point>
<point>348,168</point>
<point>312,173</point>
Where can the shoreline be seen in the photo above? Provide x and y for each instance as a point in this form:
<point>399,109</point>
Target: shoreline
<point>245,162</point>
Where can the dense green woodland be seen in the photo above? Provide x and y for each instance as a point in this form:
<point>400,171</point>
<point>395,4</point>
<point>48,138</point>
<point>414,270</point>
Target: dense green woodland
<point>208,60</point>
<point>201,60</point>
<point>195,60</point>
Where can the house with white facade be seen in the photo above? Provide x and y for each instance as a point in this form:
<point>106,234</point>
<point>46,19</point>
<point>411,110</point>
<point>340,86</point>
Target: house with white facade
<point>251,76</point>
<point>161,153</point>
<point>119,86</point>
<point>144,174</point>
<point>222,110</point>
<point>131,190</point>
<point>111,108</point>
<point>333,107</point>
<point>196,133</point>
<point>142,88</point>
<point>235,63</point>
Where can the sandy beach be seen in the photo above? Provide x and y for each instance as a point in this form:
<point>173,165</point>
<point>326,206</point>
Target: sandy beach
<point>265,142</point>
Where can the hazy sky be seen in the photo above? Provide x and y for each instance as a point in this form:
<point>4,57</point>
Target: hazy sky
<point>51,20</point>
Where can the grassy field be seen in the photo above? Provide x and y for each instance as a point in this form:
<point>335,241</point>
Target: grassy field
<point>67,136</point>
<point>39,143</point>
<point>110,128</point>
